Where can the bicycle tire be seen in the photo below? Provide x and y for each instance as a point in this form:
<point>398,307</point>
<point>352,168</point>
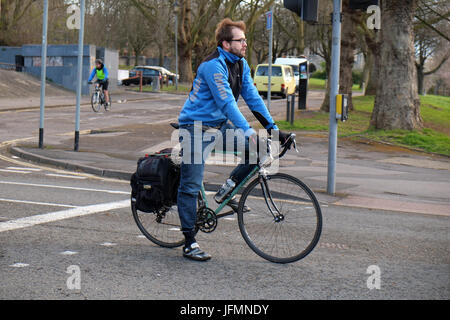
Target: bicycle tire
<point>169,236</point>
<point>95,104</point>
<point>284,196</point>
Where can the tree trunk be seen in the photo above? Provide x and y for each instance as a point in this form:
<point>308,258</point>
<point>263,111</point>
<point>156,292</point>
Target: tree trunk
<point>397,104</point>
<point>420,79</point>
<point>326,102</point>
<point>368,63</point>
<point>348,46</point>
<point>185,65</point>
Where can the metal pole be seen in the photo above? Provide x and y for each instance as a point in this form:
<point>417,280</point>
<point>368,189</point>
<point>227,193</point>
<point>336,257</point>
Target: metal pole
<point>292,97</point>
<point>176,45</point>
<point>334,87</point>
<point>79,75</point>
<point>269,84</point>
<point>288,108</point>
<point>43,74</point>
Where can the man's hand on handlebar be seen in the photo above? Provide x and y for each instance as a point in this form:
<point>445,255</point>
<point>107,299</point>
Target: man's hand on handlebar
<point>89,82</point>
<point>283,137</point>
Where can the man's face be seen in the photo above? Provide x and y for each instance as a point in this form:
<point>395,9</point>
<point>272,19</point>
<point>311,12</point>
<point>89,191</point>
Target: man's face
<point>238,45</point>
<point>98,65</point>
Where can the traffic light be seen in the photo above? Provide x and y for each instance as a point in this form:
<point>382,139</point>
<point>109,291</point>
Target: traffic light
<point>307,10</point>
<point>362,4</point>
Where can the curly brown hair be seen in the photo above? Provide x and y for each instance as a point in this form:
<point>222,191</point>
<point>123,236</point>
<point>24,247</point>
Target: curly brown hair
<point>224,30</point>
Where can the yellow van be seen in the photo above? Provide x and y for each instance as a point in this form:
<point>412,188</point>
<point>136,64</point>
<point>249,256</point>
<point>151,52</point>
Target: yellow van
<point>283,80</point>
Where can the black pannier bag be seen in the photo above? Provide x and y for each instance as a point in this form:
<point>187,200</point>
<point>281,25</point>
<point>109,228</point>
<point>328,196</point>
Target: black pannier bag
<point>155,183</point>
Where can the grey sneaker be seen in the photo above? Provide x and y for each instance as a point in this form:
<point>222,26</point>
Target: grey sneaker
<point>194,252</point>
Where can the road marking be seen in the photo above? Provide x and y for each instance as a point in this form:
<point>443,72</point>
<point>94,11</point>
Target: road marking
<point>22,168</point>
<point>13,171</point>
<point>68,253</point>
<point>61,215</point>
<point>90,176</point>
<point>38,203</point>
<point>19,265</point>
<point>108,244</point>
<point>63,187</point>
<point>64,176</point>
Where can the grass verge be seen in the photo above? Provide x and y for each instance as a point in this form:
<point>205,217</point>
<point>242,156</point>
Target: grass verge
<point>435,137</point>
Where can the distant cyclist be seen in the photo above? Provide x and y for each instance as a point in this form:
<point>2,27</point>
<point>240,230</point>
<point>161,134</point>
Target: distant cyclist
<point>102,78</point>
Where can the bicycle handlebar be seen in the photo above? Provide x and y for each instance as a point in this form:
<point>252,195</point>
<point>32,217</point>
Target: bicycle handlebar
<point>287,145</point>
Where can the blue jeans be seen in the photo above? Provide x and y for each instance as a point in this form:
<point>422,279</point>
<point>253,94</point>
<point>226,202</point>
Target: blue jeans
<point>196,145</point>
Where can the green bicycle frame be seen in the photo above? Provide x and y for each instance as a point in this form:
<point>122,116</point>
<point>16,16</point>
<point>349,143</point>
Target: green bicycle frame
<point>236,190</point>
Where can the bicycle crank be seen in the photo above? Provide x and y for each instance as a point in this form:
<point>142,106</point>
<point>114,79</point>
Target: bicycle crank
<point>206,220</point>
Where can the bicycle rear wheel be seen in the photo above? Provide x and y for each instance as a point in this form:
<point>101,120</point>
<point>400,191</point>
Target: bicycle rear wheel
<point>96,102</point>
<point>162,228</point>
<point>288,233</point>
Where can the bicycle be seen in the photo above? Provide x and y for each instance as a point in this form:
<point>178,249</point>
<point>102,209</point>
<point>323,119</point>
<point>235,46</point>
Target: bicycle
<point>98,99</point>
<point>281,208</point>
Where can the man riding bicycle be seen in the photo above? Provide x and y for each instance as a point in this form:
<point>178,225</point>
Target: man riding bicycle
<point>221,78</point>
<point>102,78</point>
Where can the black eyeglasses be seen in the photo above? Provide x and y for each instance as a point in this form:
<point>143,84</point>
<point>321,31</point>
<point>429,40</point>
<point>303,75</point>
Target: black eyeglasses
<point>242,41</point>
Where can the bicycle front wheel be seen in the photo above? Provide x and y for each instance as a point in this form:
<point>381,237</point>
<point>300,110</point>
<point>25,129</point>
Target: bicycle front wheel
<point>95,102</point>
<point>284,222</point>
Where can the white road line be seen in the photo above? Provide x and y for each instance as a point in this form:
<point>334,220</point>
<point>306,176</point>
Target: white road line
<point>62,187</point>
<point>68,253</point>
<point>13,171</point>
<point>61,215</point>
<point>19,265</point>
<point>64,176</point>
<point>22,168</point>
<point>38,203</point>
<point>108,244</point>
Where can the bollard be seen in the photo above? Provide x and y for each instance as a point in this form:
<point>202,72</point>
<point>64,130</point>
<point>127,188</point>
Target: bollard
<point>292,103</point>
<point>288,108</point>
<point>155,83</point>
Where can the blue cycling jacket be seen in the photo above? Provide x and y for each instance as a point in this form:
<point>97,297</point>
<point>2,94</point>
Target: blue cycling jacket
<point>220,79</point>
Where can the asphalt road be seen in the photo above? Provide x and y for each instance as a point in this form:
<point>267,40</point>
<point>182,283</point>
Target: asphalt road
<point>52,221</point>
<point>93,231</point>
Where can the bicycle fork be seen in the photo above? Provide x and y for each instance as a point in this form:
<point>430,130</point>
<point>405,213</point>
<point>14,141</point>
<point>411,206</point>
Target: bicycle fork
<point>277,215</point>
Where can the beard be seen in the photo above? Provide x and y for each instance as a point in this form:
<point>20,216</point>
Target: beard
<point>239,53</point>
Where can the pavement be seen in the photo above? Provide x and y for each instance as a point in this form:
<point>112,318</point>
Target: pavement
<point>368,175</point>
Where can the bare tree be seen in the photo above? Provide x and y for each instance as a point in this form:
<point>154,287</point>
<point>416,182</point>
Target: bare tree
<point>431,32</point>
<point>397,104</point>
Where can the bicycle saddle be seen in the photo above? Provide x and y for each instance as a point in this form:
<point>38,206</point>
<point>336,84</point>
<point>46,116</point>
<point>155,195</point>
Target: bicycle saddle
<point>175,125</point>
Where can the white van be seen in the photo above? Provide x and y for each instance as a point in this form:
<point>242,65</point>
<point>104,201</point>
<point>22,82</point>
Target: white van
<point>294,63</point>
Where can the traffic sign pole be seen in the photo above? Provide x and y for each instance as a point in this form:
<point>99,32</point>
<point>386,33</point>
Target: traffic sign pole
<point>79,76</point>
<point>334,87</point>
<point>43,75</point>
<point>269,16</point>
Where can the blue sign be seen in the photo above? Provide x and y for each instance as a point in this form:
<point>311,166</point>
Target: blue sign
<point>269,20</point>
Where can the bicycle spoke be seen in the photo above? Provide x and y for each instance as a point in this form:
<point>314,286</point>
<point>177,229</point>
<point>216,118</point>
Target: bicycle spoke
<point>285,221</point>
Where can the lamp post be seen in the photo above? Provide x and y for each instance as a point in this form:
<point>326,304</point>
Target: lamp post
<point>175,10</point>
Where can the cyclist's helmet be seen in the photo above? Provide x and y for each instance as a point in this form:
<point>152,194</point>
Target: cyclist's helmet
<point>99,61</point>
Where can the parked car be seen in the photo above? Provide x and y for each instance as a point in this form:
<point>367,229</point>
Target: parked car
<point>167,75</point>
<point>283,80</point>
<point>147,76</point>
<point>294,63</point>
